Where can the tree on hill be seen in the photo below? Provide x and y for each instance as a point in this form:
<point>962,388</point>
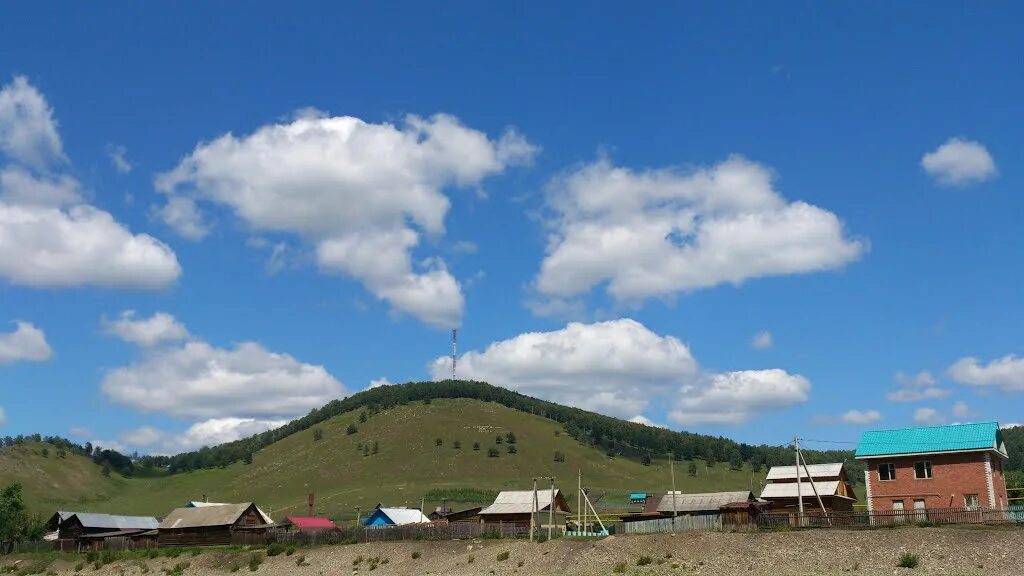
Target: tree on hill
<point>512,449</point>
<point>492,452</point>
<point>457,445</point>
<point>248,459</point>
<point>15,523</point>
<point>691,468</point>
<point>318,434</point>
<point>498,439</point>
<point>646,460</point>
<point>362,417</point>
<point>735,460</point>
<point>510,438</point>
<point>476,445</point>
<point>351,429</point>
<point>559,457</point>
<point>46,452</point>
<point>438,442</point>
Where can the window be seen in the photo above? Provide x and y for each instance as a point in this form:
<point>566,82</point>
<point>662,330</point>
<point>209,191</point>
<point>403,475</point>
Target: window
<point>971,501</point>
<point>887,471</point>
<point>919,504</point>
<point>922,470</point>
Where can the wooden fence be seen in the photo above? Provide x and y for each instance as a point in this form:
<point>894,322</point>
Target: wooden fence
<point>456,531</point>
<point>681,524</point>
<point>880,518</point>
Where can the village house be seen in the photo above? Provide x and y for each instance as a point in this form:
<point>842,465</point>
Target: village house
<point>446,515</point>
<point>955,466</point>
<point>383,517</point>
<point>680,504</point>
<point>307,524</point>
<point>204,504</point>
<point>829,480</point>
<point>210,525</point>
<point>514,507</point>
<point>89,529</point>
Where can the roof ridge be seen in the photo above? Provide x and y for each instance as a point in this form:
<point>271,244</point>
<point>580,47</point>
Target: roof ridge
<point>956,425</point>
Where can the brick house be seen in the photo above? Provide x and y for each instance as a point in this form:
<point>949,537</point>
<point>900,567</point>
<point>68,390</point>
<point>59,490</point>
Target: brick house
<point>956,466</point>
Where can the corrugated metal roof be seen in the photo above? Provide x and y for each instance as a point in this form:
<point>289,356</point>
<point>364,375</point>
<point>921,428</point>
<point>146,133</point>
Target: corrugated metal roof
<point>402,516</point>
<point>519,502</point>
<point>90,520</point>
<point>788,489</point>
<point>817,471</point>
<point>701,502</point>
<point>311,522</point>
<point>193,517</point>
<point>951,438</point>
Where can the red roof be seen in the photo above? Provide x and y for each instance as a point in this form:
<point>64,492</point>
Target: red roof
<point>310,522</point>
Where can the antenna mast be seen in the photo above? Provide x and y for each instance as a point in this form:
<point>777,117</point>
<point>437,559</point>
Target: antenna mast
<point>455,340</point>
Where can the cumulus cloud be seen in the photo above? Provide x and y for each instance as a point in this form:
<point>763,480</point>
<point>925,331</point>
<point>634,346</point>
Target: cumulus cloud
<point>182,215</point>
<point>928,416</point>
<point>660,232</point>
<point>641,419</point>
<point>959,162</point>
<point>197,380</point>
<point>916,388</point>
<point>26,344</point>
<point>736,397</point>
<point>119,158</point>
<point>361,193</point>
<point>1006,373</point>
<point>612,367</point>
<point>861,416</point>
<point>159,328</point>
<point>49,237</point>
<point>762,340</point>
<point>378,382</point>
<point>205,433</point>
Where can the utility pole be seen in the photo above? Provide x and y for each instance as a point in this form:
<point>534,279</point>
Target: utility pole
<point>357,516</point>
<point>672,473</point>
<point>533,510</point>
<point>551,509</point>
<point>799,493</point>
<point>579,500</point>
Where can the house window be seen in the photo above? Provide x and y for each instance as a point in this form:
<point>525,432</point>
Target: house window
<point>971,501</point>
<point>922,470</point>
<point>887,471</point>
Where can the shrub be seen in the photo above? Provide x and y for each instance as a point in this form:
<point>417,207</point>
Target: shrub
<point>469,560</point>
<point>351,429</point>
<point>498,439</point>
<point>643,561</point>
<point>908,560</point>
<point>362,417</point>
<point>492,453</point>
<point>91,556</point>
<point>318,434</point>
<point>96,565</point>
<point>358,560</point>
<point>300,560</point>
<point>416,555</point>
<point>79,566</point>
<point>457,445</point>
<point>512,449</point>
<point>476,445</point>
<point>502,556</point>
<point>235,567</point>
<point>620,568</point>
<point>510,438</point>
<point>290,551</point>
<point>559,457</point>
<point>254,562</point>
<point>438,441</point>
<point>275,549</point>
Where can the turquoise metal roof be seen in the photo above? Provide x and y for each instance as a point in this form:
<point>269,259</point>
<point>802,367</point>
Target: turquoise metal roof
<point>952,438</point>
<point>638,496</point>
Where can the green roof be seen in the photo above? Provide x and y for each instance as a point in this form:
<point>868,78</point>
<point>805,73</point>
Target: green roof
<point>953,438</point>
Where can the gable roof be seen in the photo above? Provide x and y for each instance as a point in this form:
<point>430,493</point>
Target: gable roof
<point>194,504</point>
<point>191,517</point>
<point>702,502</point>
<point>310,522</point>
<point>521,502</point>
<point>983,436</point>
<point>817,471</point>
<point>401,516</point>
<point>110,521</point>
<point>828,488</point>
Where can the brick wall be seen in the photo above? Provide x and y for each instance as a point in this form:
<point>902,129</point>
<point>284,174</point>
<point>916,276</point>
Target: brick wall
<point>953,476</point>
<point>999,481</point>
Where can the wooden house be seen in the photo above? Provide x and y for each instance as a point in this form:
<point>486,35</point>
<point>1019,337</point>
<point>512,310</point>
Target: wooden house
<point>210,525</point>
<point>204,504</point>
<point>382,517</point>
<point>78,525</point>
<point>829,480</point>
<point>701,504</point>
<point>516,507</point>
<point>445,515</point>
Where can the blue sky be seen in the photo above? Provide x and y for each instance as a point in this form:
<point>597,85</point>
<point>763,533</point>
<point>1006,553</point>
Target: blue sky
<point>612,203</point>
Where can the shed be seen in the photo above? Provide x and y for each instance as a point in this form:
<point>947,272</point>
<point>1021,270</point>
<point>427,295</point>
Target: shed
<point>382,517</point>
<point>702,503</point>
<point>449,516</point>
<point>743,515</point>
<point>209,525</point>
<point>308,524</point>
<point>516,506</point>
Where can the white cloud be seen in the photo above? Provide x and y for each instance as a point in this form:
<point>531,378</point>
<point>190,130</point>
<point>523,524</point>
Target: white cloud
<point>198,380</point>
<point>1006,373</point>
<point>361,193</point>
<point>861,417</point>
<point>961,410</point>
<point>26,344</point>
<point>205,433</point>
<point>928,416</point>
<point>28,132</point>
<point>612,367</point>
<point>465,247</point>
<point>641,419</point>
<point>763,340</point>
<point>119,158</point>
<point>3,416</point>
<point>182,215</point>
<point>959,162</point>
<point>916,387</point>
<point>660,232</point>
<point>1011,425</point>
<point>48,236</point>
<point>735,397</point>
<point>378,382</point>
<point>159,328</point>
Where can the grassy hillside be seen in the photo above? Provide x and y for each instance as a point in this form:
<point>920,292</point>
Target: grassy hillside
<point>51,481</point>
<point>408,465</point>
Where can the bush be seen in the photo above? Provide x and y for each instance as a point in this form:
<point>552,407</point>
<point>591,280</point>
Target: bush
<point>254,562</point>
<point>91,556</point>
<point>275,549</point>
<point>620,568</point>
<point>416,555</point>
<point>457,445</point>
<point>498,439</point>
<point>511,449</point>
<point>300,560</point>
<point>318,434</point>
<point>351,429</point>
<point>476,445</point>
<point>502,556</point>
<point>469,560</point>
<point>559,457</point>
<point>643,561</point>
<point>492,453</point>
<point>908,560</point>
<point>438,442</point>
<point>79,566</point>
<point>358,560</point>
<point>290,551</point>
<point>235,567</point>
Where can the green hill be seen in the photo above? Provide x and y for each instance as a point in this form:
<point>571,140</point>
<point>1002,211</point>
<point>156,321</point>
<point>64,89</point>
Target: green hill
<point>343,472</point>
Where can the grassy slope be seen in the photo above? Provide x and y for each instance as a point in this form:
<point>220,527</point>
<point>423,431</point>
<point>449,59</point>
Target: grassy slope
<point>50,482</point>
<point>408,465</point>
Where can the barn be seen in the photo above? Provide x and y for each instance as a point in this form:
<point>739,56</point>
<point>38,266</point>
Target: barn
<point>383,517</point>
<point>210,525</point>
<point>516,506</point>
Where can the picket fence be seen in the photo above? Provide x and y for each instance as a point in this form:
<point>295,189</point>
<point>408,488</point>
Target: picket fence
<point>453,531</point>
<point>677,524</point>
<point>882,518</point>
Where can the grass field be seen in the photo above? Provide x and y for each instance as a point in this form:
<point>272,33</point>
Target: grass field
<point>407,466</point>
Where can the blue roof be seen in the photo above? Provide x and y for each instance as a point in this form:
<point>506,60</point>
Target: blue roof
<point>952,438</point>
<point>638,496</point>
